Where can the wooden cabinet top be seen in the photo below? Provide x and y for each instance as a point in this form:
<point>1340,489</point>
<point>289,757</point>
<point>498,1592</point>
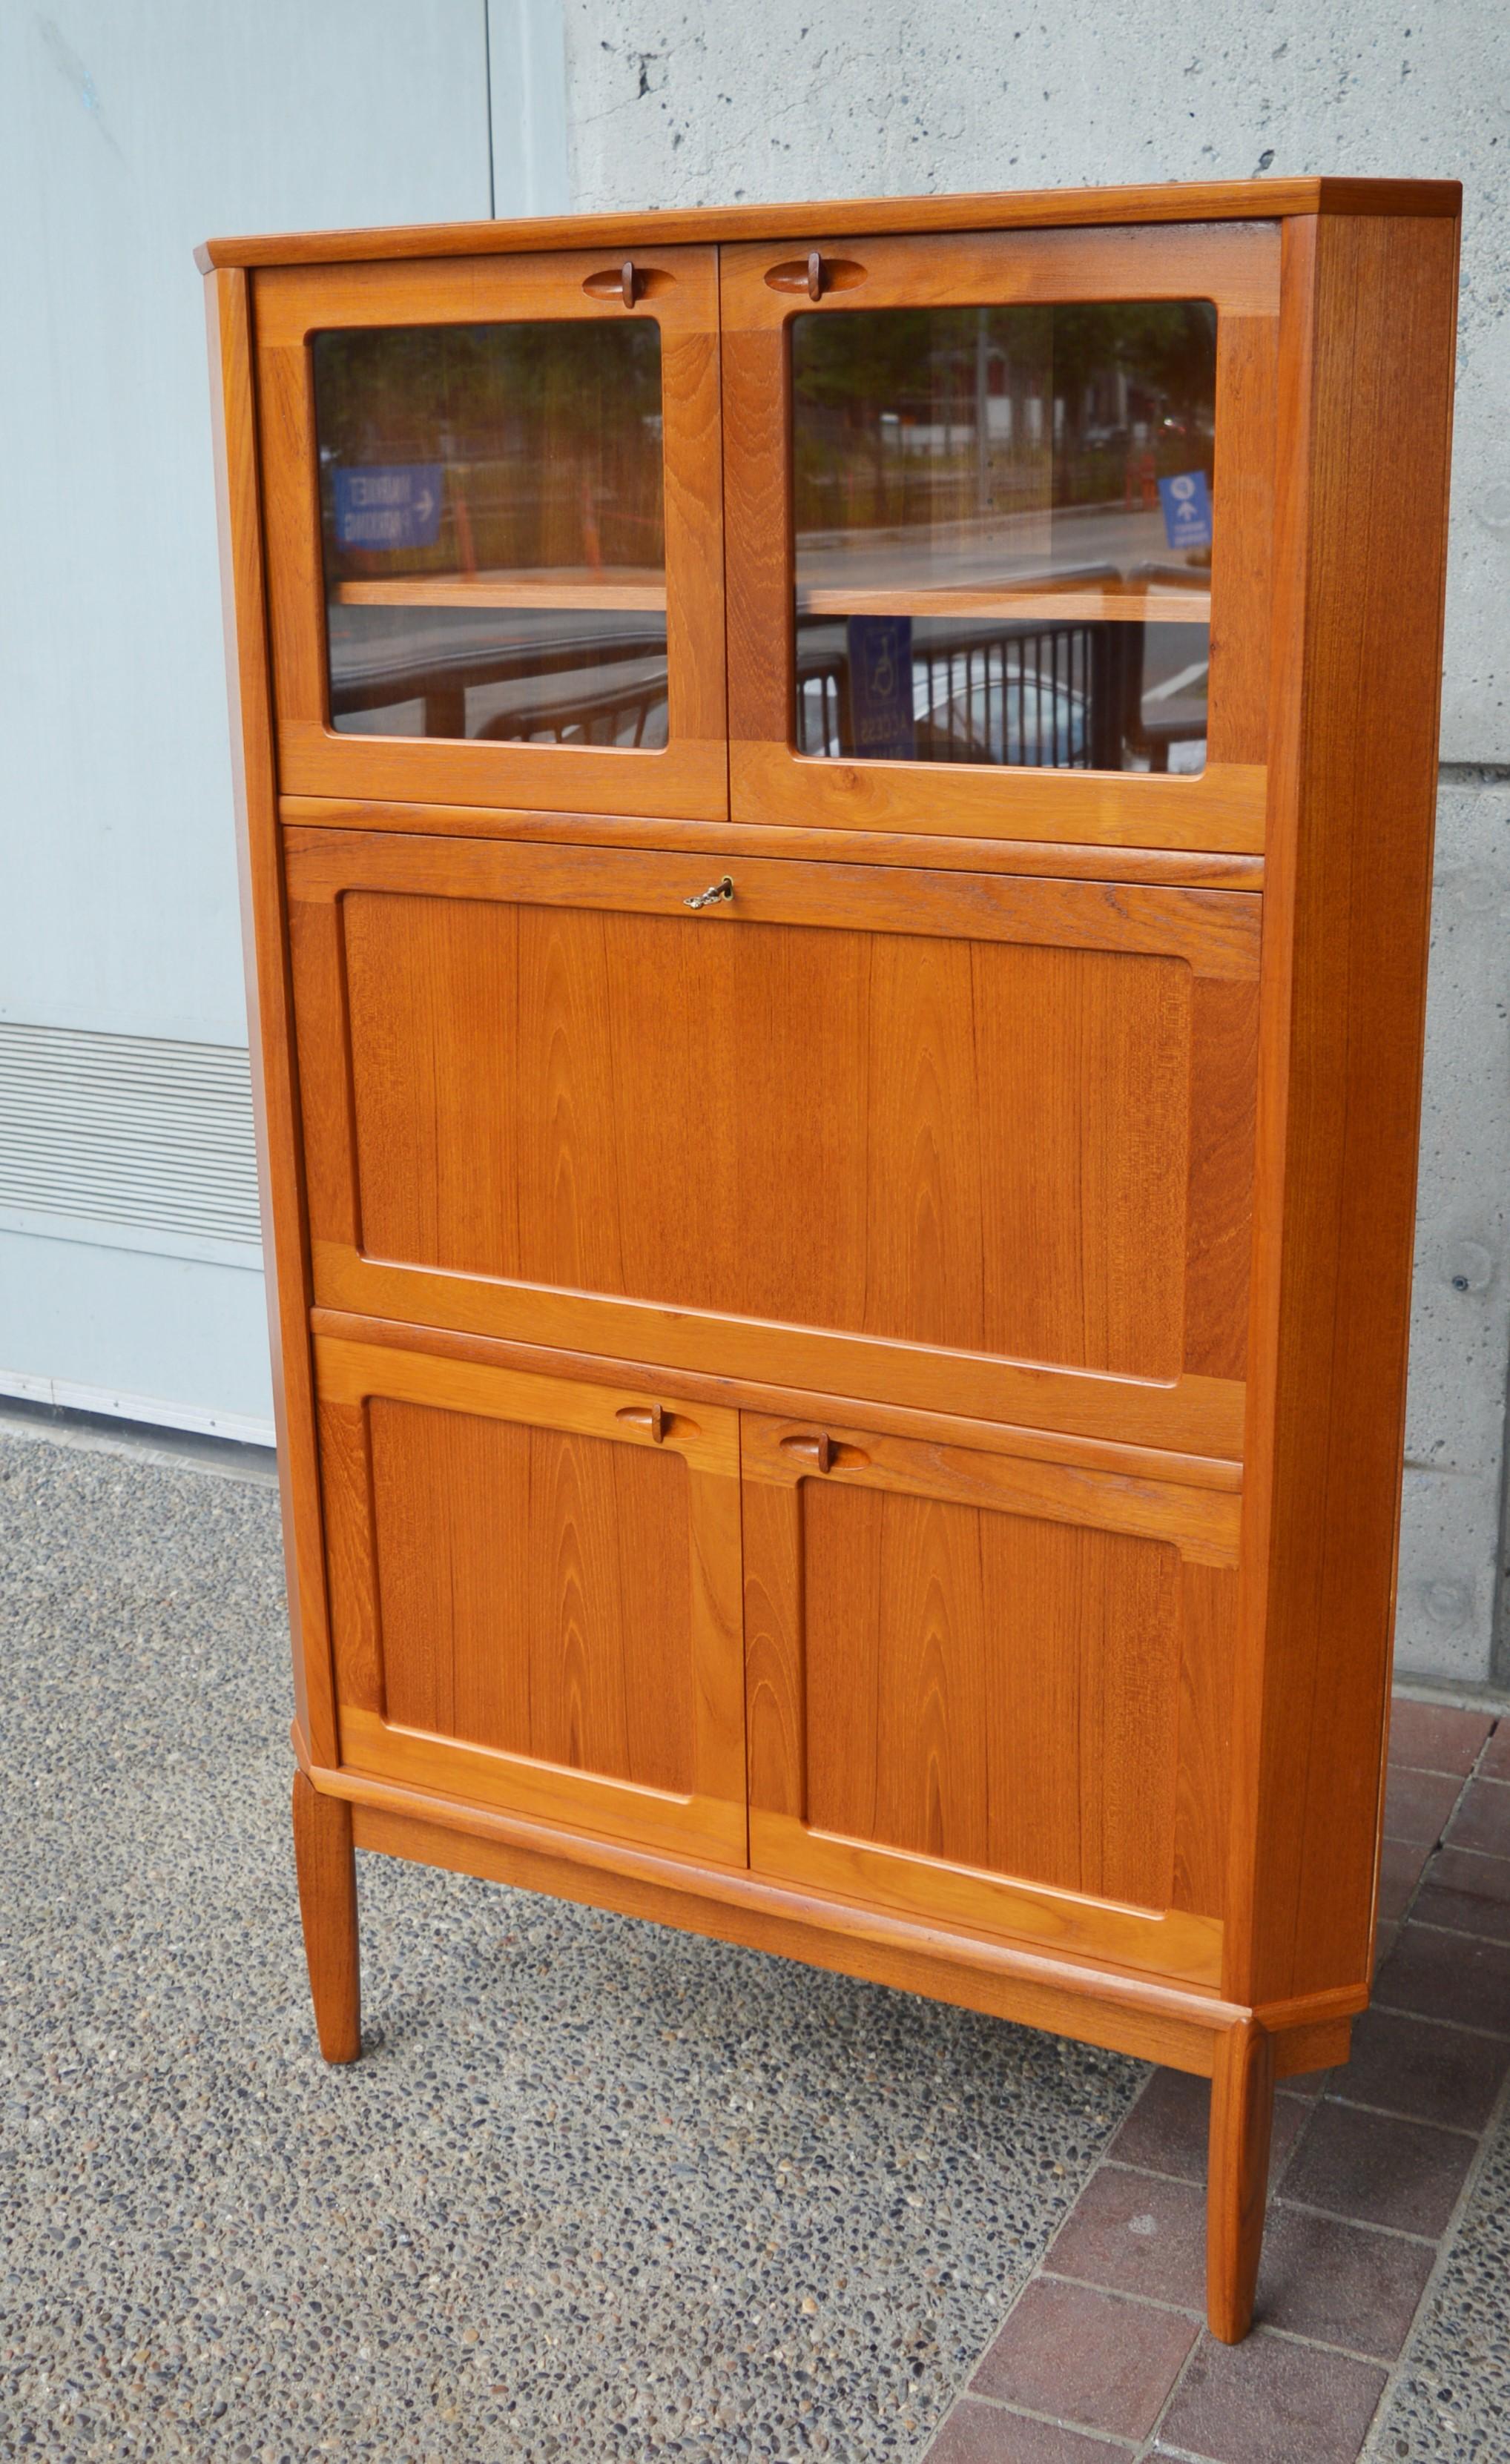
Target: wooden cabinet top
<point>1022,208</point>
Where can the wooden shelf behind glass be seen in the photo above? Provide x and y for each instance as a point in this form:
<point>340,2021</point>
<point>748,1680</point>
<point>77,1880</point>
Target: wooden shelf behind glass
<point>644,590</point>
<point>1094,605</point>
<point>630,587</point>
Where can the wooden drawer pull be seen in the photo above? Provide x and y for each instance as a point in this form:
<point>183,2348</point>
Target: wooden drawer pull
<point>615,282</point>
<point>825,1453</point>
<point>658,1423</point>
<point>816,274</point>
<point>628,282</point>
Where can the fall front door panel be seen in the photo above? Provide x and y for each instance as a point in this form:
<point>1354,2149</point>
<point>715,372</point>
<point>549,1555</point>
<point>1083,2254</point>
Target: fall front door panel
<point>990,1691</point>
<point>969,1143</point>
<point>536,1594</point>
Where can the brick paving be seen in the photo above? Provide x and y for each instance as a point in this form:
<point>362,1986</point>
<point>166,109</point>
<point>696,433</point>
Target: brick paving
<point>1104,2354</point>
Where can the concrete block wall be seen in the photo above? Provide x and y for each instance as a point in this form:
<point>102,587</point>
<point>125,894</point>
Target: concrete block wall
<point>703,101</point>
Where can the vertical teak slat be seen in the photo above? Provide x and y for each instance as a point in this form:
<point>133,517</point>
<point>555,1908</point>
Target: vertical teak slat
<point>269,998</point>
<point>1365,411</point>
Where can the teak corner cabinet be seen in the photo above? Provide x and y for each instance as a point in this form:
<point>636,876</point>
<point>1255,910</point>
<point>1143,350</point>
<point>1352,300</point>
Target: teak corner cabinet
<point>836,829</point>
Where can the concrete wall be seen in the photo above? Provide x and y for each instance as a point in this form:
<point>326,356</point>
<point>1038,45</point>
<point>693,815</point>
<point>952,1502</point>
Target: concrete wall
<point>703,101</point>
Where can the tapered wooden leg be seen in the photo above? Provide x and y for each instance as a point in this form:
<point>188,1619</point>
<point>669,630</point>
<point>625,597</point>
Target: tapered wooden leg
<point>1237,2178</point>
<point>328,1903</point>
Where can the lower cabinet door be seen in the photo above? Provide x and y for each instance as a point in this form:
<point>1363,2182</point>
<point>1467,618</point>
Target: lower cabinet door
<point>535,1595</point>
<point>990,1691</point>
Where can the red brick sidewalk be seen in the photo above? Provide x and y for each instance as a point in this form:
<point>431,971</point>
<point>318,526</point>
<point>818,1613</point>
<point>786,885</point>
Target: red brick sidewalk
<point>1103,2356</point>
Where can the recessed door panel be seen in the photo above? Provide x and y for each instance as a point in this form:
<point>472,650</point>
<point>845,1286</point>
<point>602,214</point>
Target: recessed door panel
<point>895,1116</point>
<point>1001,1683</point>
<point>536,1594</point>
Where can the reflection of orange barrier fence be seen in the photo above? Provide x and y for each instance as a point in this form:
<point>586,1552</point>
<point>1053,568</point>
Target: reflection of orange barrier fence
<point>1140,488</point>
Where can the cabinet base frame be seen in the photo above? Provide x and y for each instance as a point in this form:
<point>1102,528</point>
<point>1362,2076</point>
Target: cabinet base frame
<point>337,1811</point>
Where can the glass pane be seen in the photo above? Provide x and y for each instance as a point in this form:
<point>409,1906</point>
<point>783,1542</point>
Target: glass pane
<point>494,538</point>
<point>1004,534</point>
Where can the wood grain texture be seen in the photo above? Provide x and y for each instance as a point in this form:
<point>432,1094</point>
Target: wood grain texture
<point>537,1590</point>
<point>1180,1947</point>
<point>1128,1465</point>
<point>1021,209</point>
<point>695,1824</point>
<point>1222,809</point>
<point>689,776</point>
<point>969,1683</point>
<point>891,1245</point>
<point>1243,483</point>
<point>612,1100</point>
<point>537,589</point>
<point>1216,932</point>
<point>275,1096</point>
<point>1365,390</point>
<point>1238,2177</point>
<point>328,1901</point>
<point>1234,265</point>
<point>1142,2015</point>
<point>1204,1761</point>
<point>1218,1202</point>
<point>1153,1502</point>
<point>1192,867</point>
<point>1195,1415</point>
<point>345,1473</point>
<point>992,1691</point>
<point>1049,601</point>
<point>567,1637</point>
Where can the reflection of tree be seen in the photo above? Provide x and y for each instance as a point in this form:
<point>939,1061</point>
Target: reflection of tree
<point>1166,349</point>
<point>1061,375</point>
<point>550,433</point>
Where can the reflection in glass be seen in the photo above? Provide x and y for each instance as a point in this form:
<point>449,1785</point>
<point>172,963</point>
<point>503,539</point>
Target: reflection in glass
<point>1003,527</point>
<point>491,510</point>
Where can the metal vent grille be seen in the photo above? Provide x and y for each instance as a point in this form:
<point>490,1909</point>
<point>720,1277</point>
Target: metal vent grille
<point>127,1130</point>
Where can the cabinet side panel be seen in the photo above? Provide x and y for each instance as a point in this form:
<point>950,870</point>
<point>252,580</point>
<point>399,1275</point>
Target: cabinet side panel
<point>269,996</point>
<point>1365,387</point>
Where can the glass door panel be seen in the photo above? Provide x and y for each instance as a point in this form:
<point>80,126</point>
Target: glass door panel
<point>1000,510</point>
<point>493,524</point>
<point>495,532</point>
<point>1003,523</point>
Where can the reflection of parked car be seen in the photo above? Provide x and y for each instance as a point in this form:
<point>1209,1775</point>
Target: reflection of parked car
<point>1067,695</point>
<point>1017,716</point>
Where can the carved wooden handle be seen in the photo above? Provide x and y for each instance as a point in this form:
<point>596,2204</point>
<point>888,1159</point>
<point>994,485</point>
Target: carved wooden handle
<point>816,274</point>
<point>623,283</point>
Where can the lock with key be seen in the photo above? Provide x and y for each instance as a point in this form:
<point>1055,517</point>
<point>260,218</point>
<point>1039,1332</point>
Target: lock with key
<point>723,889</point>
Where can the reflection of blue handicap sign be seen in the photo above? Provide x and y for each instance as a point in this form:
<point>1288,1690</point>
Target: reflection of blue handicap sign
<point>388,504</point>
<point>880,687</point>
<point>1187,502</point>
